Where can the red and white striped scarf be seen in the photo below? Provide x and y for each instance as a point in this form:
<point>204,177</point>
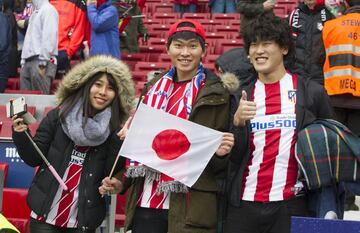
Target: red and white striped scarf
<point>157,97</point>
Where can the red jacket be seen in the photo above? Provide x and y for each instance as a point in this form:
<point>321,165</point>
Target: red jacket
<point>72,19</point>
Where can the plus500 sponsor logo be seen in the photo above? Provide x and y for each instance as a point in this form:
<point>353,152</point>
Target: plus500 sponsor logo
<point>277,124</point>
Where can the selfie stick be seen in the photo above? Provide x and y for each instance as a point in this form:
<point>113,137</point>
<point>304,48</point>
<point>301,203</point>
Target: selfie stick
<point>51,168</point>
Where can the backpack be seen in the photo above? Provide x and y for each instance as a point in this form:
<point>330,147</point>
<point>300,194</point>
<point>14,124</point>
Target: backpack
<point>327,153</point>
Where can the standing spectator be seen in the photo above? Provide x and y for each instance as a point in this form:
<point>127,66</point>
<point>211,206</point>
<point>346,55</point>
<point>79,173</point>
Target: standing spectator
<point>14,61</point>
<point>193,210</point>
<point>79,139</point>
<point>222,6</point>
<point>72,19</point>
<point>273,107</point>
<point>342,72</point>
<point>249,9</point>
<point>307,22</point>
<point>38,57</point>
<point>129,37</point>
<point>104,21</point>
<point>5,42</point>
<point>183,6</point>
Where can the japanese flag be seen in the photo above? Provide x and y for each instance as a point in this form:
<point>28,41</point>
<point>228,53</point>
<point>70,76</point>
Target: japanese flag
<point>171,145</point>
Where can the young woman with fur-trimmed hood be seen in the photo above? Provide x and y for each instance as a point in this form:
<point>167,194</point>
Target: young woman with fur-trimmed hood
<point>79,139</point>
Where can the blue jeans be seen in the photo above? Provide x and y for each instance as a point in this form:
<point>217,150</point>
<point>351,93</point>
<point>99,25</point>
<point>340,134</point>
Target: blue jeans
<point>223,6</point>
<point>185,8</point>
<point>331,198</point>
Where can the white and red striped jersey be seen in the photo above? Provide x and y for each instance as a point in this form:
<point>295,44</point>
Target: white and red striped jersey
<point>271,173</point>
<point>64,208</point>
<point>150,199</point>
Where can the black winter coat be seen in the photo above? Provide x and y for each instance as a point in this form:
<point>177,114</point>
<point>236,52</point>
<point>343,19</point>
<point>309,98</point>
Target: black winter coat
<point>306,26</point>
<point>57,147</point>
<point>312,103</point>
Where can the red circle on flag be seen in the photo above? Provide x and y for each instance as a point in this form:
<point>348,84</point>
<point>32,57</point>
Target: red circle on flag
<point>170,144</point>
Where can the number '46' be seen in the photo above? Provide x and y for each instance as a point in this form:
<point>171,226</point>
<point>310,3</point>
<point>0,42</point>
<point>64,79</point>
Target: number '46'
<point>353,35</point>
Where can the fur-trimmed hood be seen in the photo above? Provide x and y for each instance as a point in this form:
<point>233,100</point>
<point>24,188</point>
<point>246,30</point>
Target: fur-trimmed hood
<point>78,76</point>
<point>230,82</point>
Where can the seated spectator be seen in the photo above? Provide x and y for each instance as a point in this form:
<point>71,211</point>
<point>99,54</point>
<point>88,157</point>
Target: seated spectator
<point>183,6</point>
<point>222,6</point>
<point>104,22</point>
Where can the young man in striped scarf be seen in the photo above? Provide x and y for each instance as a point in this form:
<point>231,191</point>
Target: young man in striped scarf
<point>157,203</point>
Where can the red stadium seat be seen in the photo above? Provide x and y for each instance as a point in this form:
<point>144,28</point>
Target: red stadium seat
<point>5,168</point>
<point>210,22</point>
<point>164,57</point>
<point>13,83</point>
<point>170,15</point>
<point>133,56</point>
<point>210,66</point>
<point>234,23</point>
<point>226,29</point>
<point>152,51</point>
<point>220,16</point>
<point>139,76</point>
<point>225,45</point>
<point>6,129</point>
<point>148,22</point>
<point>196,16</point>
<point>30,92</point>
<point>161,7</point>
<point>15,208</point>
<point>210,58</point>
<point>156,41</point>
<point>281,11</point>
<point>151,66</point>
<point>159,29</point>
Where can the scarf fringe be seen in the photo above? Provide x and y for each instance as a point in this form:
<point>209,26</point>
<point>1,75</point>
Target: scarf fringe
<point>142,171</point>
<point>171,186</point>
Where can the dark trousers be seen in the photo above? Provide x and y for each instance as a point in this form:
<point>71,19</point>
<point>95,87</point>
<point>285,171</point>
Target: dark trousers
<point>259,217</point>
<point>63,64</point>
<point>350,118</point>
<point>42,227</point>
<point>147,220</point>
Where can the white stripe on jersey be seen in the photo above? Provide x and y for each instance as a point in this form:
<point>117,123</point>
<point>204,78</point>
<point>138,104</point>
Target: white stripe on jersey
<point>251,179</point>
<point>285,122</point>
<point>286,138</point>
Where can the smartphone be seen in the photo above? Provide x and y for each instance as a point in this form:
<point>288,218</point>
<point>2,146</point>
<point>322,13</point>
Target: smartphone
<point>19,107</point>
<point>16,107</point>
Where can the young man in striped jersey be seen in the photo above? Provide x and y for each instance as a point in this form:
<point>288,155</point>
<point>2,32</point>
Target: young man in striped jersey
<point>273,107</point>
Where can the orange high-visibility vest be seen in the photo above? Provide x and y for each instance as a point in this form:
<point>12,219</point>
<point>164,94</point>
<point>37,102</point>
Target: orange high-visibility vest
<point>341,38</point>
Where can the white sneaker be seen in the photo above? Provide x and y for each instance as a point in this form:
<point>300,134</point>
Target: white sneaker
<point>330,215</point>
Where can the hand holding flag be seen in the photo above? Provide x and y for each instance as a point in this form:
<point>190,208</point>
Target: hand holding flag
<point>226,145</point>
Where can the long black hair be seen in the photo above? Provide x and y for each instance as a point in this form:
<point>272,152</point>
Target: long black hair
<point>88,111</point>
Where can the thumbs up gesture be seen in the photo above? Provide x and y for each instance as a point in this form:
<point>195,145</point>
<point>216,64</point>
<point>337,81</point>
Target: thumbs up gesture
<point>245,111</point>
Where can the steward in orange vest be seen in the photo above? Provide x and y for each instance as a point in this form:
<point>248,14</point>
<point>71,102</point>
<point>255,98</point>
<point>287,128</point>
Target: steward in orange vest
<point>341,38</point>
